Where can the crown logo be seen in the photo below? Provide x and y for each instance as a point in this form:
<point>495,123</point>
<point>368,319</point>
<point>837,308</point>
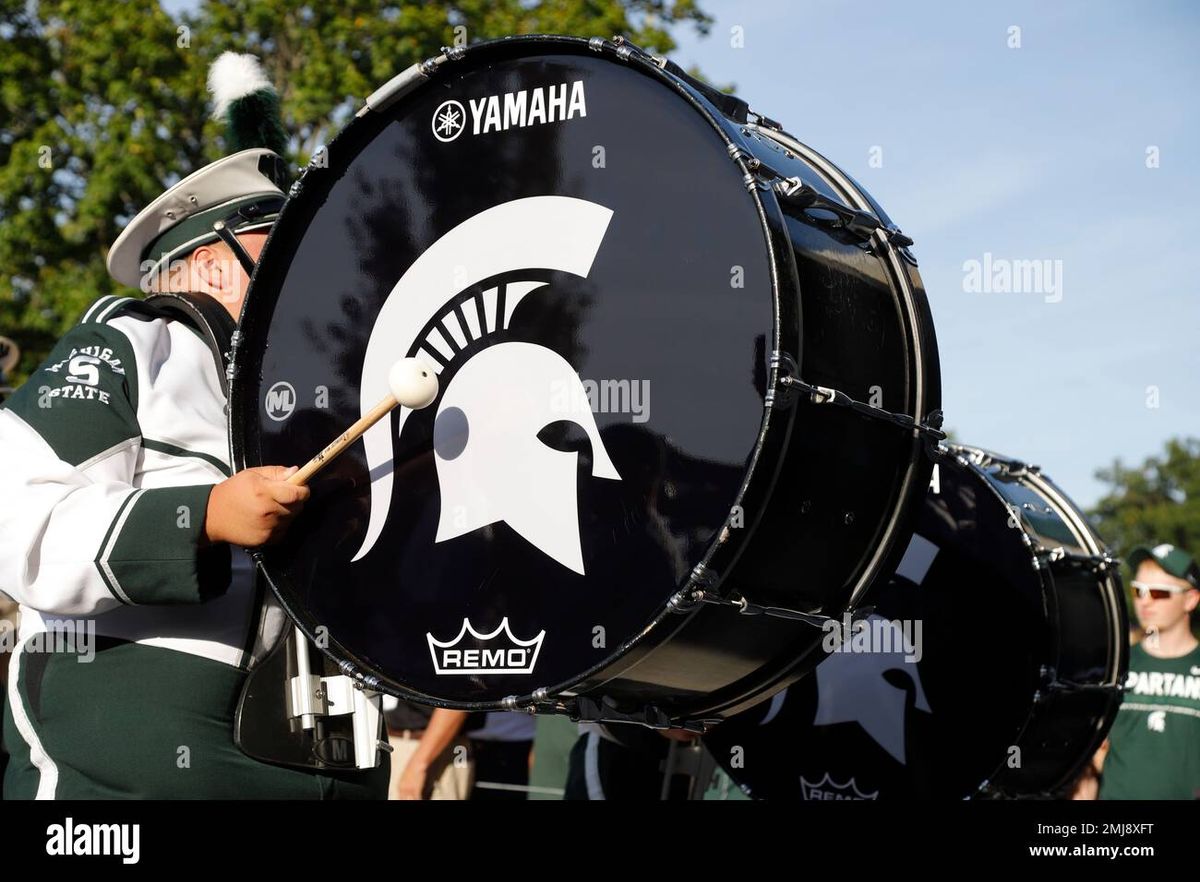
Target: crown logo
<point>827,789</point>
<point>499,652</point>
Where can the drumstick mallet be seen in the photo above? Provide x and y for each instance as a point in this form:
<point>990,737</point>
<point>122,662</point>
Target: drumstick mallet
<point>412,384</point>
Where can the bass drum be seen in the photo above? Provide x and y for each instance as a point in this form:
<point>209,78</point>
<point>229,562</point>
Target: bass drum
<point>991,665</point>
<point>630,288</point>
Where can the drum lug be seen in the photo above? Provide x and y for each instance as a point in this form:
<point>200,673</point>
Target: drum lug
<point>697,590</point>
<point>231,365</point>
<point>626,50</point>
<point>1047,557</point>
<point>781,392</point>
<point>766,122</point>
<point>1012,468</point>
<point>1099,564</point>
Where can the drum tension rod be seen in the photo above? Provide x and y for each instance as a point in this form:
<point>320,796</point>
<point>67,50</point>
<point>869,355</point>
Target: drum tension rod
<point>793,191</point>
<point>930,431</point>
<point>690,597</point>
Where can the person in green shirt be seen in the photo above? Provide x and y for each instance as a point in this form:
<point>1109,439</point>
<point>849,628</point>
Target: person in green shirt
<point>1154,745</point>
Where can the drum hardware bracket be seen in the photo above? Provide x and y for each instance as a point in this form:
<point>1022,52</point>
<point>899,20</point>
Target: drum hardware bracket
<point>690,597</point>
<point>590,710</point>
<point>231,368</point>
<point>765,121</point>
<point>625,49</point>
<point>784,365</point>
<point>1061,687</point>
<point>1099,564</point>
<point>408,79</point>
<point>1013,468</point>
<point>930,430</point>
<point>310,696</point>
<point>793,191</point>
<point>863,224</point>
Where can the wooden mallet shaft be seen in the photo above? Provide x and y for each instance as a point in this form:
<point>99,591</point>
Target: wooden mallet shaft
<point>413,384</point>
<point>335,447</point>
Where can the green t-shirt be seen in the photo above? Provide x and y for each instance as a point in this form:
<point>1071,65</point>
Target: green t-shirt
<point>1154,745</point>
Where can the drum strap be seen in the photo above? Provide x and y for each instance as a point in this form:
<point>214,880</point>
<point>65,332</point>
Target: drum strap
<point>212,320</point>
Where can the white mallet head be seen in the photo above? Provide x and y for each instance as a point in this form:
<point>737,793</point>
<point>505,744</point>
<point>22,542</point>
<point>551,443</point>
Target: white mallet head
<point>413,383</point>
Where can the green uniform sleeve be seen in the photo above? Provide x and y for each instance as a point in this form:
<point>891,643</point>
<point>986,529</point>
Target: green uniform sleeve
<point>155,552</point>
<point>77,536</point>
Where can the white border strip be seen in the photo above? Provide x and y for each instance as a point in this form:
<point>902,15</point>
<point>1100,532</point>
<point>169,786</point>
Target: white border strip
<point>48,781</point>
<point>112,541</point>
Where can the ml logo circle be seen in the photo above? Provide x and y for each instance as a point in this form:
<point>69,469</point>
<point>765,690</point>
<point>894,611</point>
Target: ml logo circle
<point>449,120</point>
<point>280,401</point>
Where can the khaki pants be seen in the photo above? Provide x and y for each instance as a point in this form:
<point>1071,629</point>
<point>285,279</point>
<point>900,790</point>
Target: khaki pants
<point>450,776</point>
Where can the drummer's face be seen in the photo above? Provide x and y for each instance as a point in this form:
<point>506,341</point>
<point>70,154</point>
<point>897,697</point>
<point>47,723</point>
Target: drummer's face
<point>217,272</point>
<point>253,243</point>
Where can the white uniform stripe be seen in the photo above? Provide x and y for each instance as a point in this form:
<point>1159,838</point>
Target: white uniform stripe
<point>110,309</point>
<point>47,769</point>
<point>112,540</point>
<point>99,303</point>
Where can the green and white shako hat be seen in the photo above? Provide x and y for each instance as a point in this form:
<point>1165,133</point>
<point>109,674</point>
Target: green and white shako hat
<point>240,192</point>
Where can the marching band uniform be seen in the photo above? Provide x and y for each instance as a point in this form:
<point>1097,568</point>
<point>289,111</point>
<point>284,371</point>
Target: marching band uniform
<point>111,451</point>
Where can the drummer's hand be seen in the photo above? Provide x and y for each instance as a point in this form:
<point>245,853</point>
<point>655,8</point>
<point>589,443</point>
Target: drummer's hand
<point>253,507</point>
<point>412,782</point>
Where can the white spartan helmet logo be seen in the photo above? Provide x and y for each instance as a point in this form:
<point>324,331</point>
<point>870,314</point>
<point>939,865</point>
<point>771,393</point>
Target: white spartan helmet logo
<point>491,465</point>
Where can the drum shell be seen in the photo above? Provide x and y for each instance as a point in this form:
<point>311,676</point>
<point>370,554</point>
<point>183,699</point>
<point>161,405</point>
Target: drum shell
<point>707,661</point>
<point>1022,575</point>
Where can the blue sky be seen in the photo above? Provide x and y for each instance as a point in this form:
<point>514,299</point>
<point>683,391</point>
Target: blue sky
<point>1030,153</point>
<point>1037,152</point>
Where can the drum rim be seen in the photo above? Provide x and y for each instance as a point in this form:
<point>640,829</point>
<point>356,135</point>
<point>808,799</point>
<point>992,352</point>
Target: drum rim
<point>774,430</point>
<point>923,363</point>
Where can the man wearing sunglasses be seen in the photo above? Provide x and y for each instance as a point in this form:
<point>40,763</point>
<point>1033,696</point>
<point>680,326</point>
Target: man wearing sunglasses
<point>1154,745</point>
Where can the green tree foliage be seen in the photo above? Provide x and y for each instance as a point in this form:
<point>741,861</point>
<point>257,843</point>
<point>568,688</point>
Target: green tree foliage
<point>103,106</point>
<point>1158,501</point>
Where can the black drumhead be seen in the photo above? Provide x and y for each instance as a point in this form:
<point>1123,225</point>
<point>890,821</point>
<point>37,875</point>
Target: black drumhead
<point>931,711</point>
<point>567,242</point>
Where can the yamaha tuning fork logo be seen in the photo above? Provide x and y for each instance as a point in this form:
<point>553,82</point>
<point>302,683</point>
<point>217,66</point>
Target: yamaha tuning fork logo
<point>449,120</point>
<point>512,110</point>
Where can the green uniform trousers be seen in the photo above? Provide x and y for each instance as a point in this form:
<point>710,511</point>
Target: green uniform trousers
<point>142,722</point>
